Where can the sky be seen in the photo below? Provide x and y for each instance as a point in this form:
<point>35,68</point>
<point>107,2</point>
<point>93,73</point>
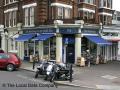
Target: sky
<point>116,5</point>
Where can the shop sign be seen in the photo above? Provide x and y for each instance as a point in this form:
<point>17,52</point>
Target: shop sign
<point>40,30</point>
<point>90,31</point>
<point>68,30</point>
<point>68,40</point>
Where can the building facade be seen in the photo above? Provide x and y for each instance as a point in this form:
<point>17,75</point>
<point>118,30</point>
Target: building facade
<point>58,29</point>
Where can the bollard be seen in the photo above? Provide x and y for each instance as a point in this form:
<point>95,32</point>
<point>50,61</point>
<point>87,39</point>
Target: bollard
<point>33,62</point>
<point>71,71</point>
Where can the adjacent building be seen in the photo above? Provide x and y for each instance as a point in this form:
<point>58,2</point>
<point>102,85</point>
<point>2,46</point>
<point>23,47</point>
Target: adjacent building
<point>60,30</point>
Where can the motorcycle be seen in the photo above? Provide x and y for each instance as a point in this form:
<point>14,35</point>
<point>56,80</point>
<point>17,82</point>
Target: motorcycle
<point>44,68</point>
<point>53,71</point>
<point>61,71</point>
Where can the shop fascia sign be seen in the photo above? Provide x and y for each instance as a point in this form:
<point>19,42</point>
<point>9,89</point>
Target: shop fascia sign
<point>51,30</point>
<point>90,31</point>
<point>40,30</point>
<point>68,30</point>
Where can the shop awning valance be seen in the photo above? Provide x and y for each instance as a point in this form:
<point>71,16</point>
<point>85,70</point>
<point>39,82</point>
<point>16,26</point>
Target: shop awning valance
<point>43,37</point>
<point>25,37</point>
<point>98,40</point>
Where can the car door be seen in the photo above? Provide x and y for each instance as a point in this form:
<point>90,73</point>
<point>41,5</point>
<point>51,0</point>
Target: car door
<point>3,61</point>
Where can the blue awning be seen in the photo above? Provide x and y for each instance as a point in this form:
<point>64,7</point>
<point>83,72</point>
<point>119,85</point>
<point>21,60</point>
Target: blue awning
<point>25,37</point>
<point>98,40</point>
<point>43,37</point>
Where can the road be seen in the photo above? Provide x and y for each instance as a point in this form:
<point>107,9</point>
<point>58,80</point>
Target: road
<point>24,80</point>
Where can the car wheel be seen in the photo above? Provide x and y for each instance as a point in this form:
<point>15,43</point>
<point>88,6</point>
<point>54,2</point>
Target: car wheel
<point>10,67</point>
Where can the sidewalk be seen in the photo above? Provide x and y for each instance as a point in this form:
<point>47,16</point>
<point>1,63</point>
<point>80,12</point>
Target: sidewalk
<point>102,76</point>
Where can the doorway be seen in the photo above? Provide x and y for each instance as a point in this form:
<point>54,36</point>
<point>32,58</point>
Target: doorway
<point>68,48</point>
<point>70,53</point>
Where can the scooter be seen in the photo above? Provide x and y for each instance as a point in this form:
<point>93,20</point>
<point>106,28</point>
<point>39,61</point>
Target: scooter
<point>45,68</point>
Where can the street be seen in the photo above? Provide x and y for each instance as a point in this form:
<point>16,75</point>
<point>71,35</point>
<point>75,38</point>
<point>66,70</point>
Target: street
<point>24,80</point>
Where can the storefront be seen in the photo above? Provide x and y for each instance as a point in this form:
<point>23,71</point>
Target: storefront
<point>63,44</point>
<point>93,42</point>
<point>112,34</point>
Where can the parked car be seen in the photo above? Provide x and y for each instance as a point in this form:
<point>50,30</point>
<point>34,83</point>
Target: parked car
<point>9,61</point>
<point>1,51</point>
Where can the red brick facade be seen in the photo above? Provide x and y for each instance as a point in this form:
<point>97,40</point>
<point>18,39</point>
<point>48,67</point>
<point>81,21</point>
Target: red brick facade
<point>46,11</point>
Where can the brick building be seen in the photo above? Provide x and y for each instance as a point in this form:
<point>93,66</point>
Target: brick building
<point>56,28</point>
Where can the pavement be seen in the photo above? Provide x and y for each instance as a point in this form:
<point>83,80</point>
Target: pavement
<point>101,76</point>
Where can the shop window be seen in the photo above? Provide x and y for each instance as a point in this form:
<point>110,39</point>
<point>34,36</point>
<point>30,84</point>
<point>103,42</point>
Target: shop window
<point>118,18</point>
<point>46,47</point>
<point>53,48</point>
<point>50,48</point>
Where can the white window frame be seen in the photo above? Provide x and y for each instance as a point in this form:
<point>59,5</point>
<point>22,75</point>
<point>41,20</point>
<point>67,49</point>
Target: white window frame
<point>26,11</point>
<point>67,13</point>
<point>31,16</point>
<point>60,14</point>
<point>10,18</point>
<point>110,5</point>
<point>88,15</point>
<point>14,18</point>
<point>5,19</point>
<point>103,3</point>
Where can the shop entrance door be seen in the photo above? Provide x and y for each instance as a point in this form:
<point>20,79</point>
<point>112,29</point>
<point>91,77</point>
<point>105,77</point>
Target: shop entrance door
<point>70,53</point>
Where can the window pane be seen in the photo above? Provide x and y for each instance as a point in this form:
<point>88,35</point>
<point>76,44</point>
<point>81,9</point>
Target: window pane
<point>67,12</point>
<point>60,12</point>
<point>104,3</point>
<point>32,16</point>
<point>26,16</point>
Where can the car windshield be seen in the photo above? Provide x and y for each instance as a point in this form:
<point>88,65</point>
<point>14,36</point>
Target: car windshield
<point>4,56</point>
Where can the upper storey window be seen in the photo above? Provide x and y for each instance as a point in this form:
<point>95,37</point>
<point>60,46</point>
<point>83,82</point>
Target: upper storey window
<point>109,3</point>
<point>105,3</point>
<point>9,1</point>
<point>87,1</point>
<point>63,11</point>
<point>60,12</point>
<point>29,14</point>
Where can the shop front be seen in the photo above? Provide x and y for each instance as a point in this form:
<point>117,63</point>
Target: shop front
<point>36,42</point>
<point>63,44</point>
<point>48,43</point>
<point>92,41</point>
<point>112,35</point>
